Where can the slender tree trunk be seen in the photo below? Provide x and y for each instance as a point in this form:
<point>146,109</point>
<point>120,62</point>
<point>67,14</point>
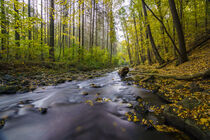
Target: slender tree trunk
<point>69,45</point>
<point>206,16</point>
<point>182,46</point>
<point>127,42</point>
<point>29,30</point>
<point>103,40</point>
<point>51,51</point>
<point>83,28</point>
<point>17,35</point>
<point>149,56</point>
<point>107,34</point>
<point>65,13</point>
<point>195,14</point>
<point>79,22</point>
<point>141,38</point>
<point>91,13</point>
<point>42,55</point>
<point>3,28</point>
<point>96,31</point>
<point>137,40</point>
<point>73,27</point>
<point>154,48</point>
<point>94,2</point>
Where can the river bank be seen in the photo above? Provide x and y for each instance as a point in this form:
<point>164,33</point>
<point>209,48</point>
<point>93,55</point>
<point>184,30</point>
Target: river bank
<point>26,77</point>
<point>186,90</point>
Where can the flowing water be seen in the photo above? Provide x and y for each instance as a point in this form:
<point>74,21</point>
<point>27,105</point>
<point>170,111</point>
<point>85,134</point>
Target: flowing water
<point>69,117</point>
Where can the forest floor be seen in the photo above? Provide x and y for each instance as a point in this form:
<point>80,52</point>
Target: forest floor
<point>186,88</point>
<point>25,77</point>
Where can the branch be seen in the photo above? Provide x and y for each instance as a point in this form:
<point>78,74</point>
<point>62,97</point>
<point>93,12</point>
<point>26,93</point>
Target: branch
<point>164,29</point>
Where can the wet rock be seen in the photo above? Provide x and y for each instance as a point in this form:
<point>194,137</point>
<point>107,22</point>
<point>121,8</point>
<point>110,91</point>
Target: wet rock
<point>42,110</point>
<point>69,80</point>
<point>95,86</point>
<point>139,99</point>
<point>60,81</point>
<point>123,72</point>
<point>42,84</point>
<point>25,102</point>
<point>2,123</point>
<point>84,93</point>
<point>149,126</point>
<point>8,89</point>
<point>99,99</point>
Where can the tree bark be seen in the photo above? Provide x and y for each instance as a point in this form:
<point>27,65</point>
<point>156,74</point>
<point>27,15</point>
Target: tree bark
<point>137,40</point>
<point>42,55</point>
<point>83,29</point>
<point>51,51</point>
<point>17,35</point>
<point>182,47</point>
<point>29,30</point>
<point>3,28</point>
<point>154,48</point>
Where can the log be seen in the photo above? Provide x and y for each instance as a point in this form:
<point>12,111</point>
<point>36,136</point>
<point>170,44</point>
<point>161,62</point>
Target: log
<point>204,74</point>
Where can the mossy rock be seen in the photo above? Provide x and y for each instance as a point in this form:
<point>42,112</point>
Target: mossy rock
<point>123,72</point>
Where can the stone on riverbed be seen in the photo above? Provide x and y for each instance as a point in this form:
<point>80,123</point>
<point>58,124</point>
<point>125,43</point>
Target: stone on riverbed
<point>95,86</point>
<point>43,110</point>
<point>123,72</point>
<point>2,123</point>
<point>84,93</point>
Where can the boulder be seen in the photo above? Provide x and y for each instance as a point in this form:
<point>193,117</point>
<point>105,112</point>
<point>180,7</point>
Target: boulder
<point>123,72</point>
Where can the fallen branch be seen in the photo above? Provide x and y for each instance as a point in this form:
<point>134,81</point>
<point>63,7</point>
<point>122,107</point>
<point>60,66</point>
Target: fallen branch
<point>184,77</point>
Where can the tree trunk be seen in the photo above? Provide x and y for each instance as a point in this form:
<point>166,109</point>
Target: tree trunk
<point>141,39</point>
<point>96,31</point>
<point>29,30</point>
<point>206,16</point>
<point>83,28</point>
<point>127,41</point>
<point>149,56</point>
<point>17,35</point>
<point>90,39</point>
<point>93,23</point>
<point>73,28</point>
<point>42,55</point>
<point>154,48</point>
<point>195,14</point>
<point>182,47</point>
<point>79,22</point>
<point>51,51</point>
<point>3,28</point>
<point>137,40</point>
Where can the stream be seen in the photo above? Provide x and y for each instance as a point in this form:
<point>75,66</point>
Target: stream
<point>70,117</point>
